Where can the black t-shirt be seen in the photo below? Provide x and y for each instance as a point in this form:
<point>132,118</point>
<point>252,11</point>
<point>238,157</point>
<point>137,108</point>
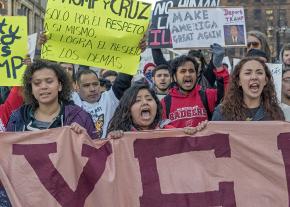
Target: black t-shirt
<point>250,113</point>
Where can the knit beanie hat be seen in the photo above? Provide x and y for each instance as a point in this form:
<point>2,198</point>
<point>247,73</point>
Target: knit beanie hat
<point>147,66</point>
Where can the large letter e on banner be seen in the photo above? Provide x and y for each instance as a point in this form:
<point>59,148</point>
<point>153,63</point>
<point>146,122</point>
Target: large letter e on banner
<point>148,150</point>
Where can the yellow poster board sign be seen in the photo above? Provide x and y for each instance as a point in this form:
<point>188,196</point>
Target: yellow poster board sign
<point>96,33</point>
<point>13,44</point>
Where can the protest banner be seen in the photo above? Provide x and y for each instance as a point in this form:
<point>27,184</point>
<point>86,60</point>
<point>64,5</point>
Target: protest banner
<point>159,34</point>
<point>32,39</point>
<point>276,70</point>
<point>227,164</point>
<point>13,43</point>
<point>103,34</point>
<point>201,27</point>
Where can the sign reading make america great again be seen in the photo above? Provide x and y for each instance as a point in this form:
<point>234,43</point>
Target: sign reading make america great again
<point>228,164</point>
<point>159,34</point>
<point>103,34</point>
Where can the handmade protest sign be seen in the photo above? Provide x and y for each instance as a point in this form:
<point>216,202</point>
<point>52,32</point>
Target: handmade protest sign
<point>227,164</point>
<point>13,44</point>
<point>277,70</point>
<point>201,27</point>
<point>104,34</point>
<point>159,35</point>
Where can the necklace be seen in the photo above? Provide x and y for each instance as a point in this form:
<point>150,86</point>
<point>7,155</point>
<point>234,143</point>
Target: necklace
<point>44,117</point>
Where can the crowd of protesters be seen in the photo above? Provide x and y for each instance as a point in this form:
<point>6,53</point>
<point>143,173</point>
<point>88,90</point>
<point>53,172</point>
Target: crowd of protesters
<point>185,92</point>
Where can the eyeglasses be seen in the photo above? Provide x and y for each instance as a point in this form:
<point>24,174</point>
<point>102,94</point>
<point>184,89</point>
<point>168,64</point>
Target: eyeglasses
<point>255,44</point>
<point>286,80</point>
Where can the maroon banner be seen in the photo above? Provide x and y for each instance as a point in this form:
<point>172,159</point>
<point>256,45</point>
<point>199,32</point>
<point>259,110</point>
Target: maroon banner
<point>227,164</point>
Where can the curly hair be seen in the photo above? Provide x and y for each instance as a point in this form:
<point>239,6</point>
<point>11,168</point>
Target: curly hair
<point>122,118</point>
<point>179,61</point>
<point>233,107</point>
<point>64,94</point>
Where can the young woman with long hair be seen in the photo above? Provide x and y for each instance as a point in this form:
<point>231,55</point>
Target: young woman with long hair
<point>47,89</point>
<point>140,109</point>
<point>251,94</point>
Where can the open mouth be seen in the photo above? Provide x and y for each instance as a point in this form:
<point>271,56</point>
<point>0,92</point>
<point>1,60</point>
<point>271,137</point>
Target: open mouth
<point>188,82</point>
<point>254,87</point>
<point>145,113</point>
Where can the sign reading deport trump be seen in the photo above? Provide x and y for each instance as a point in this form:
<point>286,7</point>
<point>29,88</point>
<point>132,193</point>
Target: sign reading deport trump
<point>103,34</point>
<point>201,27</point>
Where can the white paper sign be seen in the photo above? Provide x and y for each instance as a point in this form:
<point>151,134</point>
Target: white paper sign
<point>32,45</point>
<point>226,60</point>
<point>277,70</point>
<point>146,57</point>
<point>201,27</point>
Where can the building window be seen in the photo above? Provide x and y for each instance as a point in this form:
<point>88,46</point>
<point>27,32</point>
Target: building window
<point>1,5</point>
<point>257,14</point>
<point>26,12</point>
<point>269,12</point>
<point>282,17</point>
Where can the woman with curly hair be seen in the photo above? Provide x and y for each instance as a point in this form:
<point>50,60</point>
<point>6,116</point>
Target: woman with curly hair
<point>140,109</point>
<point>251,94</point>
<point>47,90</point>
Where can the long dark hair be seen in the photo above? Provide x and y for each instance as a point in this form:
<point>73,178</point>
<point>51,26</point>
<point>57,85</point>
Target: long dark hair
<point>233,107</point>
<point>122,118</point>
<point>64,94</point>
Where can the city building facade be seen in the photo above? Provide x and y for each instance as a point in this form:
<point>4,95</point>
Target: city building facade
<point>34,10</point>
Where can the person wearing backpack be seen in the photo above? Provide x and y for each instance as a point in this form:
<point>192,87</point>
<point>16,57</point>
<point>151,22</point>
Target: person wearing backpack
<point>205,76</point>
<point>187,103</point>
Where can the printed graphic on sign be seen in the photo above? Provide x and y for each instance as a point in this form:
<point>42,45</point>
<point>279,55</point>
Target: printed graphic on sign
<point>201,27</point>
